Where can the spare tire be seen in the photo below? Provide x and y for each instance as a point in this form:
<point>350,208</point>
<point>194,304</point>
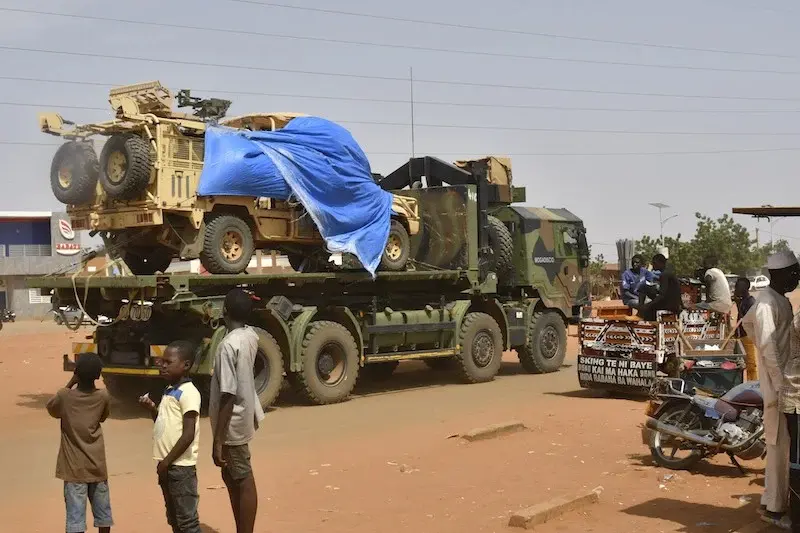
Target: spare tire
<point>502,245</point>
<point>125,166</point>
<point>73,173</point>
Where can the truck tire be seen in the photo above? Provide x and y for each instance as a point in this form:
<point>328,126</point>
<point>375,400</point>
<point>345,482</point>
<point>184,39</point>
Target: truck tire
<point>547,343</point>
<point>125,166</point>
<point>481,347</point>
<point>398,248</point>
<point>329,363</point>
<point>379,371</point>
<point>268,369</point>
<point>227,245</point>
<point>147,261</point>
<point>73,173</point>
<point>502,245</point>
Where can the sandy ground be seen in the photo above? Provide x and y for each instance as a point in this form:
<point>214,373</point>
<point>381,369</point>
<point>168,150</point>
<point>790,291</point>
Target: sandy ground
<point>383,461</point>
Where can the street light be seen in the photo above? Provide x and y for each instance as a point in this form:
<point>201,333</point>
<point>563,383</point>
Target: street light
<point>661,219</point>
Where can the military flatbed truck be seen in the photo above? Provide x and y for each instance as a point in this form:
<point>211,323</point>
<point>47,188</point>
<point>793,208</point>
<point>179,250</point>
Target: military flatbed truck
<point>490,277</point>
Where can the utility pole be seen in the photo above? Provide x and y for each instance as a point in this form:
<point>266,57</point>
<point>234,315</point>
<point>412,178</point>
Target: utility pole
<point>661,218</point>
<point>411,87</point>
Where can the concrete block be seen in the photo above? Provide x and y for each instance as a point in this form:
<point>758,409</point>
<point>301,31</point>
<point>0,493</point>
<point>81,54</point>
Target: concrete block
<point>529,517</point>
<point>494,430</point>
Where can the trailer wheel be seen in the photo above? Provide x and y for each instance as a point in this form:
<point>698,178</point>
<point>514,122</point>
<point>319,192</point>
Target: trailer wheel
<point>398,248</point>
<point>125,166</point>
<point>147,261</point>
<point>481,347</point>
<point>502,245</point>
<point>267,369</point>
<point>379,371</point>
<point>73,173</point>
<point>329,363</point>
<point>546,347</point>
<point>227,245</point>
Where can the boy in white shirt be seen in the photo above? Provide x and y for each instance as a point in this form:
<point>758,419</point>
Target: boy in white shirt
<point>176,438</point>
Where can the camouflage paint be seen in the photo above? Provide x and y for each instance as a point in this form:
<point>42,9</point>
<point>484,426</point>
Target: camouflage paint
<point>547,258</point>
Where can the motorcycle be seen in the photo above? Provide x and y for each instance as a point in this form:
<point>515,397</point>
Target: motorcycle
<point>700,426</point>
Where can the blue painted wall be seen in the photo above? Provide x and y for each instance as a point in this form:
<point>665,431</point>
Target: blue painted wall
<point>25,232</point>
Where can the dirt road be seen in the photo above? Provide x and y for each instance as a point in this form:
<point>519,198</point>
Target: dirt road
<point>382,461</point>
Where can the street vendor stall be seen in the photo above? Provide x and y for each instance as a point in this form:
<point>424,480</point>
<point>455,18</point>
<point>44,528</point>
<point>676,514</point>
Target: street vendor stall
<point>621,352</point>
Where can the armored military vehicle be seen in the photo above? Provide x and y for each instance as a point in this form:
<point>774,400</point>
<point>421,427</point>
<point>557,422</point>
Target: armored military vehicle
<point>140,194</point>
<point>499,277</point>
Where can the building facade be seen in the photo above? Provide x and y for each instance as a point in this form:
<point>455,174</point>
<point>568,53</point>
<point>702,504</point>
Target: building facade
<point>34,244</point>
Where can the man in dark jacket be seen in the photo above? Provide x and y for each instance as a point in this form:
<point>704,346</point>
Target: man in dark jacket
<point>668,296</point>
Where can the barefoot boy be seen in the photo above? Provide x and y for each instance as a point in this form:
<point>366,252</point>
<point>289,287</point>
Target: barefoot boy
<point>82,456</point>
<point>176,438</point>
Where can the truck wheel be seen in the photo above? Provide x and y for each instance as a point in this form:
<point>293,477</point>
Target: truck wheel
<point>379,371</point>
<point>227,245</point>
<point>73,173</point>
<point>398,248</point>
<point>125,166</point>
<point>481,345</point>
<point>147,261</point>
<point>547,343</point>
<point>502,245</point>
<point>268,369</point>
<point>329,363</point>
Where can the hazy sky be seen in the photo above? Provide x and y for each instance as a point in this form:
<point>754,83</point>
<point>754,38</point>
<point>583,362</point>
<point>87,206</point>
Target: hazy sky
<point>610,192</point>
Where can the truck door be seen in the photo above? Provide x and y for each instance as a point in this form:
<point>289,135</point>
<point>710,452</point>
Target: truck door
<point>567,240</point>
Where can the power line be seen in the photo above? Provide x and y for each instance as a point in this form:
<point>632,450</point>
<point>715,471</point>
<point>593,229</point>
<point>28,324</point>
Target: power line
<point>416,81</point>
<point>388,45</point>
<point>423,102</point>
<point>524,154</point>
<point>488,127</point>
<point>509,31</point>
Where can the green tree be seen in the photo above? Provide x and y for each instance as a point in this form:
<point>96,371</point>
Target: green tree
<point>730,241</point>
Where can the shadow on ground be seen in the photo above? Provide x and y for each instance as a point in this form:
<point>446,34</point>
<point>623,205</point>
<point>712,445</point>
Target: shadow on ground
<point>703,468</point>
<point>699,517</point>
<point>601,393</point>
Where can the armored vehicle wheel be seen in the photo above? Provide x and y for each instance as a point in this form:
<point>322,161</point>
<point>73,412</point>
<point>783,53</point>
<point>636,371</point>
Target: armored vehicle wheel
<point>481,345</point>
<point>379,371</point>
<point>398,248</point>
<point>268,368</point>
<point>73,173</point>
<point>227,245</point>
<point>330,363</point>
<point>125,166</point>
<point>502,245</point>
<point>547,343</point>
<point>147,261</point>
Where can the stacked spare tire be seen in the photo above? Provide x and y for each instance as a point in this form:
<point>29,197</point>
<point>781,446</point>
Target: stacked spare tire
<point>123,169</point>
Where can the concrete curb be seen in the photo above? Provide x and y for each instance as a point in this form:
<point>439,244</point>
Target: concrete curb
<point>539,514</point>
<point>495,430</point>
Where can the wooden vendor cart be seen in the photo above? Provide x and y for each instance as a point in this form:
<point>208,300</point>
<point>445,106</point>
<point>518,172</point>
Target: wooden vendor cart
<point>621,352</point>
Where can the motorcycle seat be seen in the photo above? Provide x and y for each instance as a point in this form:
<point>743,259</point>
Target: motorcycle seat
<point>727,411</point>
<point>746,398</point>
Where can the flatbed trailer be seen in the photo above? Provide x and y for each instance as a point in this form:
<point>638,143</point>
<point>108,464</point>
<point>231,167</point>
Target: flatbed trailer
<point>490,277</point>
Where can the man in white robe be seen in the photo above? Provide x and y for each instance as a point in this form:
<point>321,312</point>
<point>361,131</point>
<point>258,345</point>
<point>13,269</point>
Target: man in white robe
<point>769,324</point>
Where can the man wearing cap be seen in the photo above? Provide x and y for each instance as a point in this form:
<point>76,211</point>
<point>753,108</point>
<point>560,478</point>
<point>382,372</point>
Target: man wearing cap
<point>769,324</point>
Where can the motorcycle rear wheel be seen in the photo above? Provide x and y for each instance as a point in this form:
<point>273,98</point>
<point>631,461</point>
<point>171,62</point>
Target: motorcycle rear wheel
<point>665,448</point>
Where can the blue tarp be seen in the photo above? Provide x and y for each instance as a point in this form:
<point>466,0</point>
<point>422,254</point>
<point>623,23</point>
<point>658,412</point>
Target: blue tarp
<point>315,161</point>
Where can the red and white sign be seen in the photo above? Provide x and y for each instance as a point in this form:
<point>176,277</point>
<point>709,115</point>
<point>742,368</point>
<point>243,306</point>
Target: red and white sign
<point>65,228</point>
<point>67,248</point>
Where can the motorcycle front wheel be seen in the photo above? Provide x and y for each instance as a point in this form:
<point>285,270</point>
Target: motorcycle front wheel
<point>671,452</point>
